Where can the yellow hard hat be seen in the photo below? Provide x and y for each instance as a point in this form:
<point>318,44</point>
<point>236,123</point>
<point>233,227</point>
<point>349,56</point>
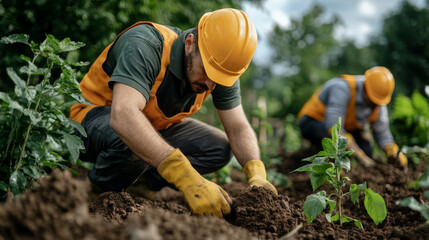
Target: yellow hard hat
<point>379,84</point>
<point>227,41</point>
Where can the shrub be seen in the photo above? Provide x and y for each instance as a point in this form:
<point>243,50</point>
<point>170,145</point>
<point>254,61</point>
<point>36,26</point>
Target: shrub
<point>36,133</point>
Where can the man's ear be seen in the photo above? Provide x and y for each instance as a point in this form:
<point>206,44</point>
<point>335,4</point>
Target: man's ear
<point>189,43</point>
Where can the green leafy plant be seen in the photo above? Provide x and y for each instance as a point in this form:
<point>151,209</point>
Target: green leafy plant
<point>327,166</point>
<point>36,134</point>
<point>411,202</point>
<point>410,120</point>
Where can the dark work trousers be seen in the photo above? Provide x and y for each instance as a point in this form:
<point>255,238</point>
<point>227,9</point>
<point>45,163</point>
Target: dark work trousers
<point>116,167</point>
<point>314,131</point>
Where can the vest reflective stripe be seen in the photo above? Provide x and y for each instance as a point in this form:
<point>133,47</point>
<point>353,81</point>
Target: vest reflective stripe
<point>314,108</point>
<point>95,87</point>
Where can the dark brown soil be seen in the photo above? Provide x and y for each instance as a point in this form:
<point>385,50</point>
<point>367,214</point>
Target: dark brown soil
<point>261,211</point>
<point>60,208</point>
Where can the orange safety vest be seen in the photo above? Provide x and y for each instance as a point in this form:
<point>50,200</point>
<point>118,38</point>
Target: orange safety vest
<point>314,108</point>
<point>95,87</point>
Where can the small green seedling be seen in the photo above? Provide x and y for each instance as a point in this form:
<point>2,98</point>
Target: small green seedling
<point>327,165</point>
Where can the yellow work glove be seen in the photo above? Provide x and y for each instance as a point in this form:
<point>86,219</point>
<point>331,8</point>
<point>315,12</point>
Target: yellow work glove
<point>204,197</point>
<point>393,155</point>
<point>256,175</point>
<point>364,159</point>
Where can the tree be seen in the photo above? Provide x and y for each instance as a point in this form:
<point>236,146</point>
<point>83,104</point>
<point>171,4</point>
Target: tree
<point>403,47</point>
<point>303,51</point>
<point>349,59</point>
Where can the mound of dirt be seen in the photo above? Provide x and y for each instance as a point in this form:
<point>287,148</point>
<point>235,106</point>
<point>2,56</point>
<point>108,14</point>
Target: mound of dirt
<point>167,225</point>
<point>115,206</point>
<point>58,209</point>
<point>259,210</point>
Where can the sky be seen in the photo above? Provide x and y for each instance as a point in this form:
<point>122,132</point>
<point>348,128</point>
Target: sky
<point>361,18</point>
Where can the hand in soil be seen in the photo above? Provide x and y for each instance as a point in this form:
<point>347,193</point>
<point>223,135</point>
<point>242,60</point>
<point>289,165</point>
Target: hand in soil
<point>257,176</point>
<point>204,197</point>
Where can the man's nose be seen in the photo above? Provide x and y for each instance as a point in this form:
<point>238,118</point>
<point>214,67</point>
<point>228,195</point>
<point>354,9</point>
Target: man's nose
<point>210,84</point>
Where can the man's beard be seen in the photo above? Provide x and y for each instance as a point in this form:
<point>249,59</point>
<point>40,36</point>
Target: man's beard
<point>201,87</point>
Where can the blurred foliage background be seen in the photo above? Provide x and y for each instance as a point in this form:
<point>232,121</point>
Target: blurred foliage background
<point>306,54</point>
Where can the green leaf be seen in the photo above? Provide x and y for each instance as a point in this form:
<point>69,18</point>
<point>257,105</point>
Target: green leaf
<point>15,78</point>
<point>342,144</point>
<point>50,164</point>
<point>330,218</point>
<point>52,44</point>
<point>314,204</point>
<point>74,145</point>
<point>39,153</point>
<point>322,154</point>
<point>329,147</point>
<point>17,182</point>
<point>16,105</point>
<point>309,159</point>
<point>355,190</point>
<point>66,45</point>
<point>375,206</point>
<point>332,204</point>
<point>78,64</point>
<point>31,171</point>
<point>336,130</point>
<point>4,97</point>
<point>3,186</point>
<point>320,165</point>
<point>73,171</point>
<point>345,219</point>
<point>32,69</point>
<point>349,153</point>
<point>35,116</point>
<point>317,180</point>
<point>25,58</point>
<point>78,126</point>
<point>343,162</point>
<point>15,38</point>
<point>423,181</point>
<point>412,203</point>
<point>358,224</point>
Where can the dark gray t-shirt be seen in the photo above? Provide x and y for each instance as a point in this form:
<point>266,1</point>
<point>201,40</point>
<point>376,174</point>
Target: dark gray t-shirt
<point>135,60</point>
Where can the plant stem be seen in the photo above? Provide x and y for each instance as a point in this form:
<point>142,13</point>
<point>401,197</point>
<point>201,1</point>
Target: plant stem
<point>340,193</point>
<point>15,124</point>
<point>45,80</point>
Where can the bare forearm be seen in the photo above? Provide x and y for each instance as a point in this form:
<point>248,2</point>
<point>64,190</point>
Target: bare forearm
<point>136,131</point>
<point>244,144</point>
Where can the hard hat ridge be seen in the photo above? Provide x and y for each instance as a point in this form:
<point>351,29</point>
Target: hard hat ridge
<point>227,42</point>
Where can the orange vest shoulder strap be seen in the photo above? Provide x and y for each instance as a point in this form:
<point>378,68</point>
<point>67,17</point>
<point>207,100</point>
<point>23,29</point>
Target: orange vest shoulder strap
<point>152,110</point>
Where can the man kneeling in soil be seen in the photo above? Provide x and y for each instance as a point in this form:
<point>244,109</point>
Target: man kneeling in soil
<point>143,87</point>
